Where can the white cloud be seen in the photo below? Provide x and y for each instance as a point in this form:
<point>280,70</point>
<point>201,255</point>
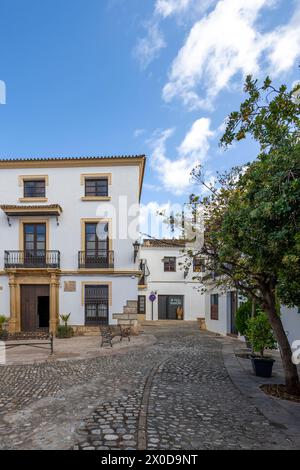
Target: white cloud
<point>196,143</point>
<point>226,43</point>
<point>175,174</point>
<point>148,47</point>
<point>154,219</point>
<point>152,187</point>
<point>285,45</point>
<point>138,132</point>
<point>169,7</point>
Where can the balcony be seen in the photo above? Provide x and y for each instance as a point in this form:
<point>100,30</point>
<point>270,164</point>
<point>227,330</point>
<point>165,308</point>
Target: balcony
<point>96,259</point>
<point>31,259</point>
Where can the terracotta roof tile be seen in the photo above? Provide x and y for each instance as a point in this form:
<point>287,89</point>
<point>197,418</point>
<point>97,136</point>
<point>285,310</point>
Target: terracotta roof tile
<point>164,242</point>
<point>54,159</point>
<point>16,206</point>
<point>13,209</point>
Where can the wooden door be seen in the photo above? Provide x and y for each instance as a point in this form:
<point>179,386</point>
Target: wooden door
<point>29,305</point>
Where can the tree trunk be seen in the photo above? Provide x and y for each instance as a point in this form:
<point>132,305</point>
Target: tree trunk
<point>291,374</point>
<point>253,310</point>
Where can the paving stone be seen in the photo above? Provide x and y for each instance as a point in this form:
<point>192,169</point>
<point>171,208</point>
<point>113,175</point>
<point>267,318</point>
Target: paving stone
<point>110,437</point>
<point>193,404</point>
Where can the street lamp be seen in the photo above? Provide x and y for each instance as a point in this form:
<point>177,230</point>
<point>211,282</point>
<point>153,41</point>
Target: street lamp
<point>136,247</point>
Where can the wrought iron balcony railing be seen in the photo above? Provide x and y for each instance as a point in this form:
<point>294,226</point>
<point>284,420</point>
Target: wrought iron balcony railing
<point>32,259</point>
<point>96,259</point>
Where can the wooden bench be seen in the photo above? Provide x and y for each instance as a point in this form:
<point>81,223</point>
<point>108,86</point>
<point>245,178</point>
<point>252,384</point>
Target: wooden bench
<point>35,339</point>
<point>109,332</point>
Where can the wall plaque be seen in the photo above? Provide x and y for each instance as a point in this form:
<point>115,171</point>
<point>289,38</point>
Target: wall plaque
<point>70,286</point>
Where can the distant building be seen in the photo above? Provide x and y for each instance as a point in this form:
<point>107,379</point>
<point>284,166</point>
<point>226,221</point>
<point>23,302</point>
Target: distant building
<point>220,310</point>
<point>176,293</point>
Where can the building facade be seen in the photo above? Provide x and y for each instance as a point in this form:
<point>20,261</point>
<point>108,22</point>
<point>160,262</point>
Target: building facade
<point>175,294</point>
<point>221,307</point>
<point>64,240</point>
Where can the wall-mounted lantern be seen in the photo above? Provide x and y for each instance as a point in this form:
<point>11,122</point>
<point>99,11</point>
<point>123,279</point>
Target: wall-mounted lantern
<point>136,247</point>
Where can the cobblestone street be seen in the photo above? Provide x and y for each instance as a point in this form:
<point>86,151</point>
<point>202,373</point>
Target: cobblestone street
<point>174,394</point>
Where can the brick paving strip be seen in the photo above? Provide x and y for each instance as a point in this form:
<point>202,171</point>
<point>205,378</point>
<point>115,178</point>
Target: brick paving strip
<point>142,421</point>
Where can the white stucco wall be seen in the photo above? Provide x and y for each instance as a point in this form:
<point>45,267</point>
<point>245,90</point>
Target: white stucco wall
<point>290,317</point>
<point>122,289</point>
<point>4,296</point>
<point>65,188</point>
<point>171,283</point>
<point>222,325</point>
<point>291,322</point>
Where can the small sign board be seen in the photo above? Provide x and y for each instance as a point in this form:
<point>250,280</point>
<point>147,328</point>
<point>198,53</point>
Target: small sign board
<point>175,302</point>
<point>70,286</point>
<point>152,297</point>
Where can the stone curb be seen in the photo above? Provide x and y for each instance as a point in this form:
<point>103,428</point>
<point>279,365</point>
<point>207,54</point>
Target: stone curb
<point>279,412</point>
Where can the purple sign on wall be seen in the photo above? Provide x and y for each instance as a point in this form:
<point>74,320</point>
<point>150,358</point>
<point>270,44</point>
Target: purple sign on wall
<point>152,297</point>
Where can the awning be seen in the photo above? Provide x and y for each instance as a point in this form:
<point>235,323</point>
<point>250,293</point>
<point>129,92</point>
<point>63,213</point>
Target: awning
<point>21,210</point>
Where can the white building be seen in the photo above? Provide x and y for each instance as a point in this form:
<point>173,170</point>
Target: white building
<point>177,295</point>
<point>59,250</point>
<point>220,310</point>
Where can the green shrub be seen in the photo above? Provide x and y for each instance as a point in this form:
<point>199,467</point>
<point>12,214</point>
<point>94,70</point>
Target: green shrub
<point>3,335</point>
<point>3,320</point>
<point>260,333</point>
<point>243,314</point>
<point>64,331</point>
<point>65,318</point>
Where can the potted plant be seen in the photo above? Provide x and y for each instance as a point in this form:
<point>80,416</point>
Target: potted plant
<point>243,314</point>
<point>179,313</point>
<point>3,327</point>
<point>261,337</point>
<point>64,331</point>
<point>3,322</point>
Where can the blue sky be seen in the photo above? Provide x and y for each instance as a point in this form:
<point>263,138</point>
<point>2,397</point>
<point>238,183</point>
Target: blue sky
<point>107,77</point>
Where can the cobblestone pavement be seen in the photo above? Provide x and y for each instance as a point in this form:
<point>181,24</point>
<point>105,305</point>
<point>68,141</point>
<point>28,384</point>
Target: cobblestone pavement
<point>189,401</point>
